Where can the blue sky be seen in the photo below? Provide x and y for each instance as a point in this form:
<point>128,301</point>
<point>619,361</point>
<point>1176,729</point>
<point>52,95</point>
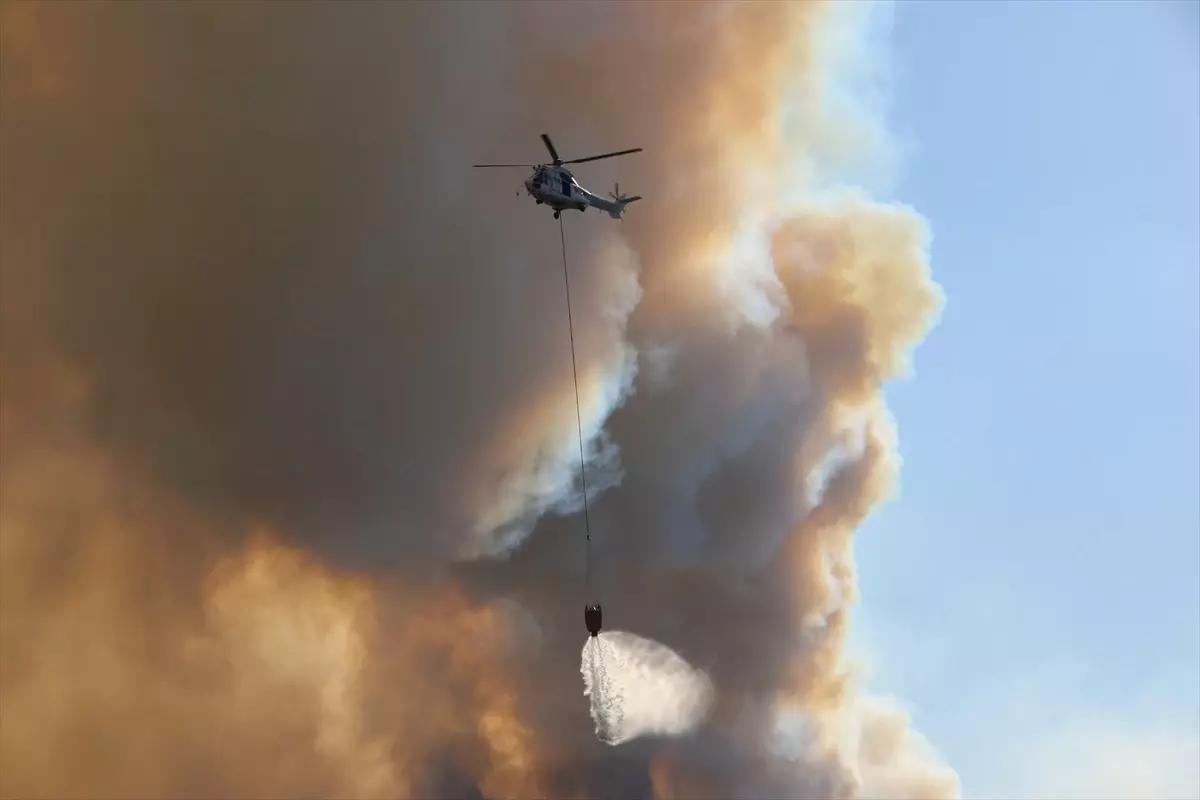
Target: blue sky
<point>1033,593</point>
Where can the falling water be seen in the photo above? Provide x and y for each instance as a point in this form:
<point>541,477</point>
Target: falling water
<point>639,687</point>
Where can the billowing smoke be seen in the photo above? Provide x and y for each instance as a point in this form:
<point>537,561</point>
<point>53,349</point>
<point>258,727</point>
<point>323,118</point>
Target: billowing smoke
<point>287,425</point>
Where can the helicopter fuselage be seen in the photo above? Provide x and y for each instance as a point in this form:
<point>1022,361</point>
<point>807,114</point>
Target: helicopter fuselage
<point>557,188</point>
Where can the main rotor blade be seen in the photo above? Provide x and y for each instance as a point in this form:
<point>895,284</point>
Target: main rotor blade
<point>550,146</point>
<point>504,165</point>
<point>606,155</point>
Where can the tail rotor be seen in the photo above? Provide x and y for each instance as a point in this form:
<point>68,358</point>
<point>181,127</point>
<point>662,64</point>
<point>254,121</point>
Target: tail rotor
<point>620,200</point>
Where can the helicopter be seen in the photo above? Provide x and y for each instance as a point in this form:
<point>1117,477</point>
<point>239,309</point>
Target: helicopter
<point>555,186</point>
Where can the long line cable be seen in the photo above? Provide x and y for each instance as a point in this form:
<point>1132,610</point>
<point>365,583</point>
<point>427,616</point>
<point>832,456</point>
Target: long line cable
<point>587,525</point>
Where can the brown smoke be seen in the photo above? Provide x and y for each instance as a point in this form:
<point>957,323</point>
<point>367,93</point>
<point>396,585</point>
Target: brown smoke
<point>281,375</point>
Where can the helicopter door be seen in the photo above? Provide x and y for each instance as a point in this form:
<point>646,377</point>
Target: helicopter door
<point>566,185</point>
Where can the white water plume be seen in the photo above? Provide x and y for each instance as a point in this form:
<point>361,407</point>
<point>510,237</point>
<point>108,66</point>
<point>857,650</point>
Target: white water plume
<point>639,687</point>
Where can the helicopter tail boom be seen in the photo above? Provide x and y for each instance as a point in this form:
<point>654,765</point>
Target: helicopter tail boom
<point>619,201</point>
<point>618,205</point>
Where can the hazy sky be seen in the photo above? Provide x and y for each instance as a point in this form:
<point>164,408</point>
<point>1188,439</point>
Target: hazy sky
<point>1033,594</point>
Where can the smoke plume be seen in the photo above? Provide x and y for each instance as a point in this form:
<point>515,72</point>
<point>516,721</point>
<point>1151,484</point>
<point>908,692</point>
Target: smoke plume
<point>288,497</point>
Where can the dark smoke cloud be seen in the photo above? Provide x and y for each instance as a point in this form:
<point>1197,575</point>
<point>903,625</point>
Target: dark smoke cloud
<point>281,374</point>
